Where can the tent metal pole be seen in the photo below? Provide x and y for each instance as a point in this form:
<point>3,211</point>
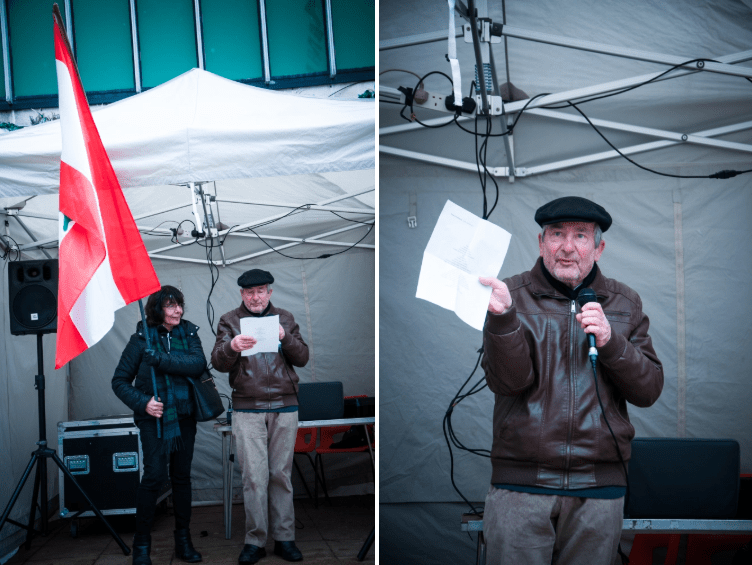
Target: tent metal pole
<point>698,137</point>
<point>292,206</point>
<point>297,241</point>
<point>674,136</point>
<point>508,139</point>
<point>558,165</point>
<point>170,209</point>
<point>453,163</point>
<point>305,240</point>
<point>31,235</point>
<point>623,52</point>
<point>418,39</point>
<point>308,240</point>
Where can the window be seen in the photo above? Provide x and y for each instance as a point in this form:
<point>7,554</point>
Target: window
<point>32,47</point>
<point>270,43</point>
<point>103,44</point>
<point>297,37</point>
<point>354,24</point>
<point>232,38</point>
<point>167,39</point>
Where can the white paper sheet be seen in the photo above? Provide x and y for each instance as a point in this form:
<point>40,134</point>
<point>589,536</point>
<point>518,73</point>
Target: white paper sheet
<point>462,248</point>
<point>266,332</point>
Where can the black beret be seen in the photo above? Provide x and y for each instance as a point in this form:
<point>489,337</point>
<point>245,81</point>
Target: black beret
<point>573,209</point>
<point>255,277</point>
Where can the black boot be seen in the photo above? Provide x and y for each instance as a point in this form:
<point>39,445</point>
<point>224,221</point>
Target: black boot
<point>141,549</point>
<point>184,549</point>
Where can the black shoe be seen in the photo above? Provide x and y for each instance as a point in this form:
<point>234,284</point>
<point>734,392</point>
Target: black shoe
<point>287,550</point>
<point>184,549</point>
<point>251,554</point>
<point>141,549</point>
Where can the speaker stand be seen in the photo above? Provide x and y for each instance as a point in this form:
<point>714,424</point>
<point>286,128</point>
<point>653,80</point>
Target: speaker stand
<point>39,458</point>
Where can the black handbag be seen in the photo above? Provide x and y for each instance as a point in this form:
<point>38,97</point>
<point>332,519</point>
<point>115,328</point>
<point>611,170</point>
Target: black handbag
<point>206,400</point>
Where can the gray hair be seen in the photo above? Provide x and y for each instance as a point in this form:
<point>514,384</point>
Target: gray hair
<point>598,235</point>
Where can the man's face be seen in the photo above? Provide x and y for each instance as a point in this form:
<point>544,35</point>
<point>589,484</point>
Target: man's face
<point>256,298</point>
<point>569,251</point>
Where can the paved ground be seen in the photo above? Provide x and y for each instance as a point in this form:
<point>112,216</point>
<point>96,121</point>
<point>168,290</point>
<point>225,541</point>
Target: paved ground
<point>328,534</point>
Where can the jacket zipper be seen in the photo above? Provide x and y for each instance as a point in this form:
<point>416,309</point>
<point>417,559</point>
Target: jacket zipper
<point>572,334</point>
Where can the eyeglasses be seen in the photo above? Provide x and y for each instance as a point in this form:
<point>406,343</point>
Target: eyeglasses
<point>172,307</point>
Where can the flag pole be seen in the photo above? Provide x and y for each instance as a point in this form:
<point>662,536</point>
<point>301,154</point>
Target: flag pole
<point>148,346</point>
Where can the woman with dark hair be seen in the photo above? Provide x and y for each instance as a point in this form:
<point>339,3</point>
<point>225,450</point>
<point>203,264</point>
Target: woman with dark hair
<point>175,354</point>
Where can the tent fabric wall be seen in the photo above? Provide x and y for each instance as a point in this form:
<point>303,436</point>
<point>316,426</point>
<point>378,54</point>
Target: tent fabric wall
<point>427,352</point>
<point>342,345</point>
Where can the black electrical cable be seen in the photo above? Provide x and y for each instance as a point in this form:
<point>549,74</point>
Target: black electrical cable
<point>412,111</point>
<point>719,175</point>
<point>323,256</point>
<point>449,435</point>
<point>15,248</point>
<point>635,86</point>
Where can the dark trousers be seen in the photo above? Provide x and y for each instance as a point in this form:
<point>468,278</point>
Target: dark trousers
<point>155,474</point>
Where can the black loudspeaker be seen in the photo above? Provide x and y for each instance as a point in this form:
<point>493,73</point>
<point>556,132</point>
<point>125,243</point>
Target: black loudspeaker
<point>32,291</point>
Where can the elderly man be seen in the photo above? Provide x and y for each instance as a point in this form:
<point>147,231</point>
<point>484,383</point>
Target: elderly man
<point>559,476</point>
<point>265,423</point>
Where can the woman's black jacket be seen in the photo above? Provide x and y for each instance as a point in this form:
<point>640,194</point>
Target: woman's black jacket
<point>136,395</point>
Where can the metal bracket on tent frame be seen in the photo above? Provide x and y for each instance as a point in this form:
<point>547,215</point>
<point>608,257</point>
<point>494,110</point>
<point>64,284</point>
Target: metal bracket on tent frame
<point>205,224</point>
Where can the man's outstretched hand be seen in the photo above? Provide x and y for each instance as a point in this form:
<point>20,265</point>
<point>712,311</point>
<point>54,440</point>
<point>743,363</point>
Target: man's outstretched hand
<point>501,300</point>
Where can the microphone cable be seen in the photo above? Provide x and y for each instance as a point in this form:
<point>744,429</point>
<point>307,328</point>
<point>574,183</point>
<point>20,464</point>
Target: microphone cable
<point>451,438</point>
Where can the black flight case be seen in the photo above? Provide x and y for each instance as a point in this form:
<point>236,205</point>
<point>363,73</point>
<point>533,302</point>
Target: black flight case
<point>105,457</point>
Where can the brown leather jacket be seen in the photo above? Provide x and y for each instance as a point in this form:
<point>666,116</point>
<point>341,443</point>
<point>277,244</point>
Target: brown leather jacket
<point>263,380</point>
<point>548,428</point>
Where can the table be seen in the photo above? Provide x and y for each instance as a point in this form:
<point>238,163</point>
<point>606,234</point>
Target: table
<point>471,523</point>
<point>227,461</point>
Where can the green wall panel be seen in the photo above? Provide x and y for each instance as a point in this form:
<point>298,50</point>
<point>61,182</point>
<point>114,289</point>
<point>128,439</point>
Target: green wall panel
<point>354,23</point>
<point>32,47</point>
<point>232,38</point>
<point>167,38</point>
<point>297,37</point>
<point>104,49</point>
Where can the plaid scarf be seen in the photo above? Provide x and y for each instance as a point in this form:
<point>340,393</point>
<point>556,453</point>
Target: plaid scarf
<point>166,389</point>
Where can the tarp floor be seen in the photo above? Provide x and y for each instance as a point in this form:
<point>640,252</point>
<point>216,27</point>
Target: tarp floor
<point>327,534</point>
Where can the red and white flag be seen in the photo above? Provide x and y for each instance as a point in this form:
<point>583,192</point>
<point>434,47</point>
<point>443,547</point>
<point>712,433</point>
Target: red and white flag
<point>103,264</point>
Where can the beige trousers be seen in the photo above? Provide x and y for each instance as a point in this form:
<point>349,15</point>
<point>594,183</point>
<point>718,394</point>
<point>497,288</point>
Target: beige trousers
<point>265,447</point>
<point>540,529</point>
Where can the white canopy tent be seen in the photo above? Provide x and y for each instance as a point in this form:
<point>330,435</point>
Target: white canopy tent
<point>267,170</point>
<point>679,242</point>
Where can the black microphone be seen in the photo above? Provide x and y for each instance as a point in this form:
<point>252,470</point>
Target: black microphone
<point>588,295</point>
